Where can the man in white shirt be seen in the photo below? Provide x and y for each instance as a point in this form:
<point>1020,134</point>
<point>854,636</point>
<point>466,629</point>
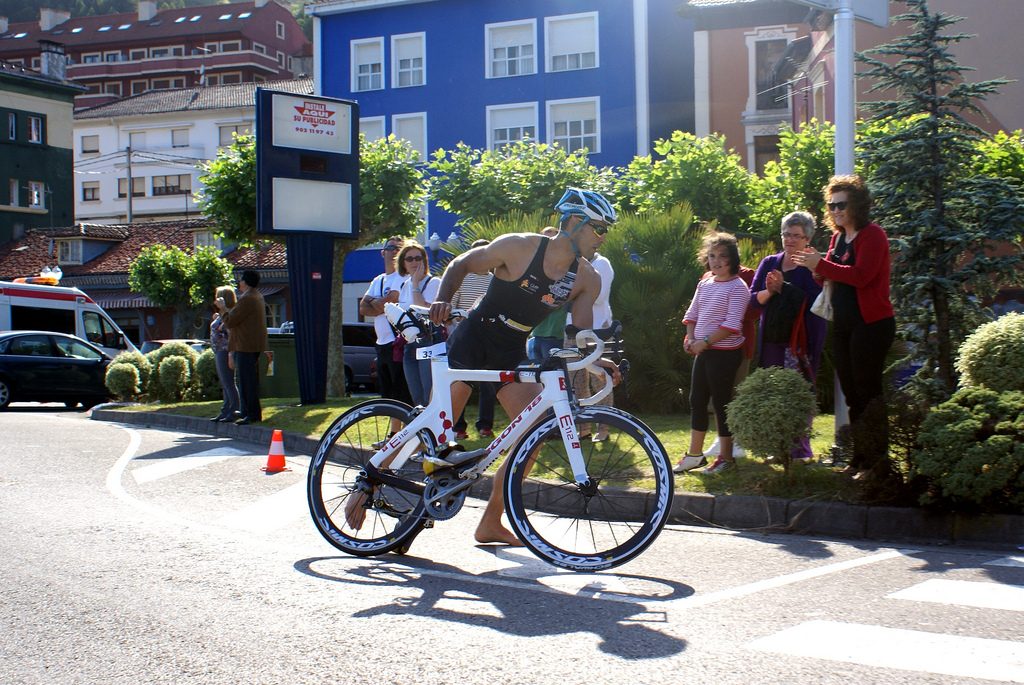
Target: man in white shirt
<point>383,289</point>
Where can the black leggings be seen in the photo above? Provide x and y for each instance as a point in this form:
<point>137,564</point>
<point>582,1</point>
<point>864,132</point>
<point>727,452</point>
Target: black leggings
<point>714,377</point>
<point>858,351</point>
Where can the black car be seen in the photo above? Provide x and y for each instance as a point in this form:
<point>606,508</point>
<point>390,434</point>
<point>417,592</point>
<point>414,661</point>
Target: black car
<point>39,366</point>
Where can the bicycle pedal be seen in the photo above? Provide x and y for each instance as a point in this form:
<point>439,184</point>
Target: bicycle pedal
<point>455,458</point>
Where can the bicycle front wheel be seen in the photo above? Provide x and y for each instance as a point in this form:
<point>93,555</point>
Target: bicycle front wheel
<point>357,514</point>
<point>600,524</point>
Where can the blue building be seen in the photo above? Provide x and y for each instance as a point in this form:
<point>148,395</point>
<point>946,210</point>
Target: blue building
<point>609,75</point>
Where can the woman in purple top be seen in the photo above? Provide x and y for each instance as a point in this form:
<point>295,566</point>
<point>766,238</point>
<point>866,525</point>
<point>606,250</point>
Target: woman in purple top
<point>791,336</point>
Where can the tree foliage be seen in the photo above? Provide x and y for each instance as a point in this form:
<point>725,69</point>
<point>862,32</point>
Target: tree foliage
<point>794,182</point>
<point>170,277</point>
<point>697,171</point>
<point>228,196</point>
<point>523,176</point>
<point>943,220</point>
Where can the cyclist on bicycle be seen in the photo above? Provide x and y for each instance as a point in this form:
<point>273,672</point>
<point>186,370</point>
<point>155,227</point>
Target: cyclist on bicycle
<point>533,276</point>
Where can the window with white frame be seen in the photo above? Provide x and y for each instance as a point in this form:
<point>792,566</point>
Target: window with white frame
<point>111,56</point>
<point>35,129</point>
<point>90,191</point>
<point>230,46</point>
<point>139,86</point>
<point>138,187</point>
<point>91,57</point>
<point>206,239</point>
<point>90,144</point>
<point>575,124</point>
<point>571,42</point>
<point>137,54</point>
<point>69,251</point>
<point>367,64</point>
<point>179,137</point>
<point>13,193</point>
<point>509,123</point>
<point>12,126</point>
<point>231,77</point>
<point>177,184</point>
<point>37,194</point>
<point>408,60</point>
<point>260,48</point>
<point>412,128</point>
<point>511,48</point>
<point>137,140</point>
<point>227,133</point>
<point>372,128</point>
<point>280,59</point>
<point>769,95</point>
<point>112,88</point>
<point>279,29</point>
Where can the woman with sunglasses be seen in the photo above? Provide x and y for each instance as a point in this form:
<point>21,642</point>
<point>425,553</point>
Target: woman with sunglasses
<point>864,327</point>
<point>419,288</point>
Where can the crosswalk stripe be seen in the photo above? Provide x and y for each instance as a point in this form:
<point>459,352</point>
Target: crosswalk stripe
<point>1015,562</point>
<point>986,595</point>
<point>908,650</point>
<point>270,512</point>
<point>169,467</point>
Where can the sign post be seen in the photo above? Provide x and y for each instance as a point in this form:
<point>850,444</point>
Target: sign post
<point>307,189</point>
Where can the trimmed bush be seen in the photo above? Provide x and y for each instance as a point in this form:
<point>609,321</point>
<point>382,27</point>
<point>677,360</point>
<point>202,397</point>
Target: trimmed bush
<point>174,379</point>
<point>122,379</point>
<point>156,357</point>
<point>141,364</point>
<point>972,452</point>
<point>771,410</point>
<point>993,356</point>
<point>206,383</point>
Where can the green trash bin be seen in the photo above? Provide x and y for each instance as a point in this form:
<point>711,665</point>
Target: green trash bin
<point>282,379</point>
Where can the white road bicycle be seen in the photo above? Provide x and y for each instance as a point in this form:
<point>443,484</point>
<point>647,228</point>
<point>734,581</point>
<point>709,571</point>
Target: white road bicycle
<point>577,504</point>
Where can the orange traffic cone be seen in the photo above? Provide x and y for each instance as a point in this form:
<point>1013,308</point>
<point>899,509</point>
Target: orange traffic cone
<point>275,459</point>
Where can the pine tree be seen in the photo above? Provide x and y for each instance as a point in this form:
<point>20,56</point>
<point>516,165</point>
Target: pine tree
<point>943,220</point>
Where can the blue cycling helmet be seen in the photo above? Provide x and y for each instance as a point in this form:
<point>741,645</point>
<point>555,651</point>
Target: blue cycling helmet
<point>587,204</point>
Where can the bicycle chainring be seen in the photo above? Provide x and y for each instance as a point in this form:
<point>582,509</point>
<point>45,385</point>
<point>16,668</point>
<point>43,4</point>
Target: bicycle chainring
<point>444,497</point>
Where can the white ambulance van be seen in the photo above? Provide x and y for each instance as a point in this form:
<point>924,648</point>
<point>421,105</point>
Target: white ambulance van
<point>31,304</point>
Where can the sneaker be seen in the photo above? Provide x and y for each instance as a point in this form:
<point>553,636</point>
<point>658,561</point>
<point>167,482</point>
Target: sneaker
<point>461,435</point>
<point>486,433</point>
<point>720,466</point>
<point>689,462</point>
<point>737,449</point>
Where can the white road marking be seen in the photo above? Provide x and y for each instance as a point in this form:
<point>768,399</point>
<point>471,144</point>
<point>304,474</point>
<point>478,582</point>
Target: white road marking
<point>270,512</point>
<point>987,595</point>
<point>1014,562</point>
<point>171,466</point>
<point>700,600</point>
<point>908,650</point>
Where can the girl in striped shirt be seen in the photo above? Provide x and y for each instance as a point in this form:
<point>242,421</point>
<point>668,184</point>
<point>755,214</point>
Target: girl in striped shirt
<point>714,322</point>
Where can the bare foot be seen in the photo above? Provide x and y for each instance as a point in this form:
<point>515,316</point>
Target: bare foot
<point>498,534</point>
<point>355,512</point>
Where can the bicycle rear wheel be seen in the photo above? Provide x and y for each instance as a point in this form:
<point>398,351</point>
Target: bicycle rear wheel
<point>357,514</point>
<point>604,523</point>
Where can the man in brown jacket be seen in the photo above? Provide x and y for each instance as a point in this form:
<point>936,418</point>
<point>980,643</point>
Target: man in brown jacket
<point>247,340</point>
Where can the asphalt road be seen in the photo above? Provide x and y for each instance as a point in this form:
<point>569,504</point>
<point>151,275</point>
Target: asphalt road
<point>142,556</point>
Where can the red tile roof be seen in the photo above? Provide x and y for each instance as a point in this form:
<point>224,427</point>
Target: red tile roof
<point>193,99</point>
<point>163,25</point>
<point>27,256</point>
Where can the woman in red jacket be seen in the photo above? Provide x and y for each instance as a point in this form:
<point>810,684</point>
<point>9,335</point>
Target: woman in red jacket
<point>864,327</point>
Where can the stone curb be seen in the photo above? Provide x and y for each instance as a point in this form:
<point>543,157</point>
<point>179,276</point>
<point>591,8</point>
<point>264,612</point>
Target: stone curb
<point>741,513</point>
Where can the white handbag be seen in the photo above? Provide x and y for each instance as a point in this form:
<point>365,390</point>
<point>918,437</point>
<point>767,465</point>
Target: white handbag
<point>822,305</point>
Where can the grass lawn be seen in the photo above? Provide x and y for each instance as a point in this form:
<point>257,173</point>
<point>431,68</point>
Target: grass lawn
<point>752,477</point>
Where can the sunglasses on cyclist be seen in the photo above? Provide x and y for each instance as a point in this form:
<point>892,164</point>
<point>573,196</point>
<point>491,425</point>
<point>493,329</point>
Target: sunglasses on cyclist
<point>599,229</point>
